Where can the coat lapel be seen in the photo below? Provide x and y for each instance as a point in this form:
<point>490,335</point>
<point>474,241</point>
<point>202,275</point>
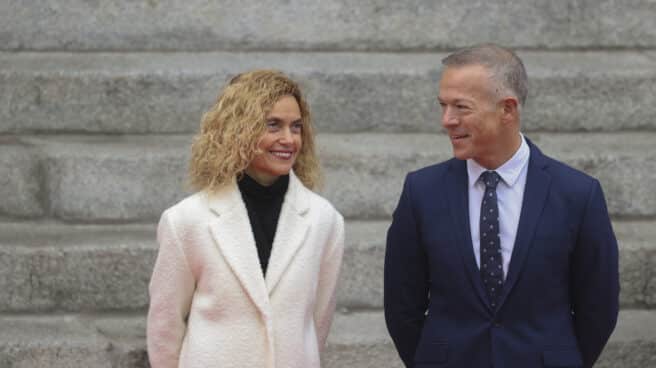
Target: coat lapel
<point>538,182</point>
<point>233,235</point>
<point>457,185</point>
<point>291,231</point>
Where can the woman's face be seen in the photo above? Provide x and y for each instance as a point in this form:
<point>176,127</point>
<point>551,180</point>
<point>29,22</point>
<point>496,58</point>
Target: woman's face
<point>280,144</point>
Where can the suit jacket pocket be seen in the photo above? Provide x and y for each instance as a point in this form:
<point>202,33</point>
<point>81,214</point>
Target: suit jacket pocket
<point>435,352</point>
<point>565,357</point>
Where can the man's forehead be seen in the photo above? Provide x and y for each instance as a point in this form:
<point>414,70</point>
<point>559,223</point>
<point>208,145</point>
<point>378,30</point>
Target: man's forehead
<point>465,82</point>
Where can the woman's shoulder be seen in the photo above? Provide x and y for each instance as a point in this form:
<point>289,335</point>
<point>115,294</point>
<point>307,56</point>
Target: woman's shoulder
<point>324,207</point>
<point>190,208</point>
<point>304,197</point>
<point>190,202</point>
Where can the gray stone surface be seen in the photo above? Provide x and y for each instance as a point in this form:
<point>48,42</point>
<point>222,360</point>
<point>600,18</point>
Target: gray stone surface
<point>633,344</point>
<point>97,179</point>
<point>108,178</point>
<point>361,283</point>
<point>637,263</point>
<point>54,267</point>
<point>329,25</point>
<point>46,267</point>
<point>52,342</point>
<point>357,340</point>
<point>20,180</point>
<point>360,340</point>
<point>348,92</point>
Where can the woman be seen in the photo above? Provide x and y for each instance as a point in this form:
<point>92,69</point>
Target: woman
<point>247,266</point>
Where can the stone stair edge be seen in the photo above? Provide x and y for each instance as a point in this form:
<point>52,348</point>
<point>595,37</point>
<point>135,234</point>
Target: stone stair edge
<point>360,233</point>
<point>95,340</point>
<point>55,142</point>
<point>112,324</point>
<point>540,64</point>
<point>329,24</point>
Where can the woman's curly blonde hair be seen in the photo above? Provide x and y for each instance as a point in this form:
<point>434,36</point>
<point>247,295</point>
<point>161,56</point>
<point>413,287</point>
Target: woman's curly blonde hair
<point>232,128</point>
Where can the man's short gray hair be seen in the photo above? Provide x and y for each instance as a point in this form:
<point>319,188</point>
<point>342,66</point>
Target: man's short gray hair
<point>505,67</point>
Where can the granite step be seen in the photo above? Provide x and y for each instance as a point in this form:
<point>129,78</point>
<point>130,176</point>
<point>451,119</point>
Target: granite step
<point>357,340</point>
<point>134,178</point>
<point>48,267</point>
<point>325,25</point>
<point>158,92</point>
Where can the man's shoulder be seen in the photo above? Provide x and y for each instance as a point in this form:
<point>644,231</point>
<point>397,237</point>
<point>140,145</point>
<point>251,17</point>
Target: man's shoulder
<point>564,175</point>
<point>434,171</point>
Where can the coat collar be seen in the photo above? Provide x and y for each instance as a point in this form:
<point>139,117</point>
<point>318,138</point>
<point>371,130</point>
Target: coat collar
<point>538,182</point>
<point>231,230</point>
<point>457,187</point>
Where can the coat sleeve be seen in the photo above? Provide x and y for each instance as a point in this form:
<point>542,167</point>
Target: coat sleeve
<point>328,275</point>
<point>406,280</point>
<point>595,278</point>
<point>171,289</point>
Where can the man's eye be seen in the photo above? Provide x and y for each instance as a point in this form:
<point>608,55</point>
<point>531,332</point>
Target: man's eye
<point>461,107</point>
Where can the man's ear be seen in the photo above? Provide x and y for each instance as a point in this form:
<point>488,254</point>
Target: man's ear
<point>510,109</point>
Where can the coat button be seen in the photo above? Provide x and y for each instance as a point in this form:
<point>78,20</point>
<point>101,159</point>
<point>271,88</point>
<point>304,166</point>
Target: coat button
<point>497,324</point>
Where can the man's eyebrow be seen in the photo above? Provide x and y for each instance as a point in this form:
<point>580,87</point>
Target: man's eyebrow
<point>456,100</point>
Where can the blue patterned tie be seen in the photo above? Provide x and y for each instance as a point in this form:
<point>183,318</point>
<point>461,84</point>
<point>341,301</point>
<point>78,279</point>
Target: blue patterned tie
<point>491,263</point>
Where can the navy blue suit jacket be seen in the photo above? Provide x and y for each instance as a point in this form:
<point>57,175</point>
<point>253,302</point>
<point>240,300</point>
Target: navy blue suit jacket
<point>560,299</point>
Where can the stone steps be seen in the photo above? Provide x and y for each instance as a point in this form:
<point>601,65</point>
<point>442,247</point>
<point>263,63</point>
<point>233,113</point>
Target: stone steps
<point>48,267</point>
<point>98,101</point>
<point>122,179</point>
<point>149,92</point>
<point>325,25</point>
<point>357,340</point>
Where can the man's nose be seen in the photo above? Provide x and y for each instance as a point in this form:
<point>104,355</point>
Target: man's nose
<point>449,118</point>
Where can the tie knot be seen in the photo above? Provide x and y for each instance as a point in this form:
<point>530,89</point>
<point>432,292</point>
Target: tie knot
<point>490,179</point>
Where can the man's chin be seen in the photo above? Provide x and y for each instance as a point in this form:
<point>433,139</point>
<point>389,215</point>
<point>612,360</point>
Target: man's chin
<point>460,155</point>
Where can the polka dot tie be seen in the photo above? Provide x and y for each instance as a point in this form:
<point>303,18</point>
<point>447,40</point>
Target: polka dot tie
<point>491,262</point>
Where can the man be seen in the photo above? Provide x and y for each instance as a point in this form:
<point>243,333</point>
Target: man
<point>500,257</point>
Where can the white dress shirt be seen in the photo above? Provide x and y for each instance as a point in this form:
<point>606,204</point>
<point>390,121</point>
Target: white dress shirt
<point>510,193</point>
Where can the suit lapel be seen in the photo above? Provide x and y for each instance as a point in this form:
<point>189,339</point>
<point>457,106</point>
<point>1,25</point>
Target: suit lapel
<point>536,191</point>
<point>234,238</point>
<point>457,184</point>
<point>291,231</point>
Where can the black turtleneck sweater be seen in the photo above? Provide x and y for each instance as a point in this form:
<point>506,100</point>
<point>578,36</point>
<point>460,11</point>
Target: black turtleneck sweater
<point>263,204</point>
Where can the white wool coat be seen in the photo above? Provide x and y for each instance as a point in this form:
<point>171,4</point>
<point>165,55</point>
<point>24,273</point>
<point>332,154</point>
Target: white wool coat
<point>211,306</point>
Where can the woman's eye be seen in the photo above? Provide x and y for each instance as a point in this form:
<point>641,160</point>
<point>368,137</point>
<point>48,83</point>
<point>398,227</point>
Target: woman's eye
<point>272,125</point>
<point>297,127</point>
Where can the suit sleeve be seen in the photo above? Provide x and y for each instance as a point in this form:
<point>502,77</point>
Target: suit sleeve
<point>171,289</point>
<point>406,282</point>
<point>328,275</point>
<point>595,283</point>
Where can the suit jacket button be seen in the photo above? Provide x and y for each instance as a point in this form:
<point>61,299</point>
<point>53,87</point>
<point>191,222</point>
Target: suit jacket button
<point>497,324</point>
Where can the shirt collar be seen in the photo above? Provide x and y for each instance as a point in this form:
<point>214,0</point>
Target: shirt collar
<point>509,171</point>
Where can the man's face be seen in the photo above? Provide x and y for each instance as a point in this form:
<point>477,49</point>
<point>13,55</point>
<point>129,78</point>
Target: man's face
<point>471,114</point>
